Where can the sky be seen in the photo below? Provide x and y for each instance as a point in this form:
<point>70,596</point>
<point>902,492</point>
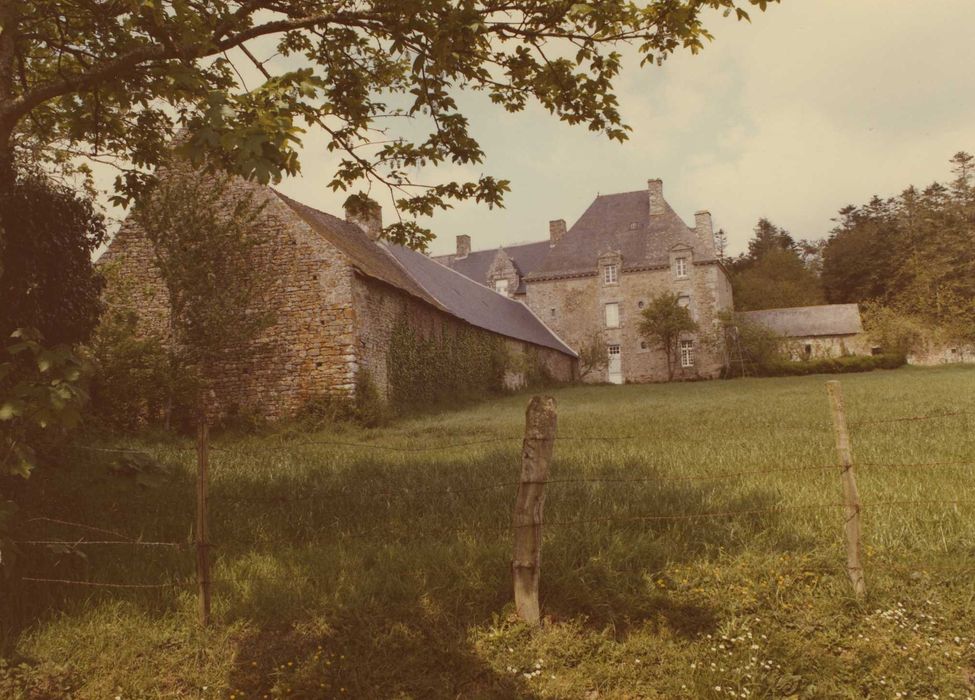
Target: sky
<point>813,105</point>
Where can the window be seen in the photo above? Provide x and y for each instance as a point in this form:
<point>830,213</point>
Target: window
<point>611,274</point>
<point>680,267</point>
<point>501,286</point>
<point>683,301</point>
<point>613,315</point>
<point>687,353</point>
<point>808,350</point>
<point>639,304</point>
<point>551,312</point>
<point>643,345</point>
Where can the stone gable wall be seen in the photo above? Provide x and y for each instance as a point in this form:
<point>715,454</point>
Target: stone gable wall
<point>502,268</point>
<point>307,351</point>
<point>579,312</point>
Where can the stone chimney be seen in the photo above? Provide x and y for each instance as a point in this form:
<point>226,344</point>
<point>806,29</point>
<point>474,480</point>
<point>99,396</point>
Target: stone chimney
<point>556,229</point>
<point>463,246</point>
<point>705,231</point>
<point>655,189</point>
<point>370,221</point>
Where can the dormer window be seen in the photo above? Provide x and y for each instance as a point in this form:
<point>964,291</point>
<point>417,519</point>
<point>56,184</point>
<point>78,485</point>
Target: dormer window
<point>680,267</point>
<point>611,274</point>
<point>501,286</point>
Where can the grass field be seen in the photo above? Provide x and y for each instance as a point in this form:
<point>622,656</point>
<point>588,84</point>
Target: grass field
<point>344,571</point>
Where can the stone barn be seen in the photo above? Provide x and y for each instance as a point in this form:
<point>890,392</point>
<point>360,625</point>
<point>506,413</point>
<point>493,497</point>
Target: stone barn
<point>810,332</point>
<point>591,281</point>
<point>337,295</point>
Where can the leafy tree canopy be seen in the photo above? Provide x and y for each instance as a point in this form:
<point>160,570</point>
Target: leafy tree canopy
<point>776,271</point>
<point>118,79</point>
<point>914,253</point>
<point>50,284</point>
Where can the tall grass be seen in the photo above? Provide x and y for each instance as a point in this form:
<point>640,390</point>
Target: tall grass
<point>369,572</point>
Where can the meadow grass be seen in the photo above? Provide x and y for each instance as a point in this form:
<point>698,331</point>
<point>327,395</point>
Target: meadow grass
<point>347,571</point>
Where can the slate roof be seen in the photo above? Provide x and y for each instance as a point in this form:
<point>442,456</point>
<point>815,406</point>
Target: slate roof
<point>619,222</point>
<point>475,303</point>
<point>476,265</point>
<point>807,321</point>
<point>430,281</point>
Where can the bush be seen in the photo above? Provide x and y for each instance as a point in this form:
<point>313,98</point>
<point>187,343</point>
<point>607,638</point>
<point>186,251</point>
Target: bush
<point>750,347</point>
<point>894,331</point>
<point>829,365</point>
<point>367,408</point>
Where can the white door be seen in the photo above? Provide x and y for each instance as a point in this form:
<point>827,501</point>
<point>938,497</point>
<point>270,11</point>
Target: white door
<point>615,365</point>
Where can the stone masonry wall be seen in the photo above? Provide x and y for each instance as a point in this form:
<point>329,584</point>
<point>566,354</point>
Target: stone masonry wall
<point>575,309</point>
<point>309,348</point>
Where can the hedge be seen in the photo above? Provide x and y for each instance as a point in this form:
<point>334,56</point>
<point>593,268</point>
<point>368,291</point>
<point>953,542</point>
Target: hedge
<point>829,365</point>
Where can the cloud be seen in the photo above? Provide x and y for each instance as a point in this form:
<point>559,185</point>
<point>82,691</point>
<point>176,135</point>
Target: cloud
<point>811,106</point>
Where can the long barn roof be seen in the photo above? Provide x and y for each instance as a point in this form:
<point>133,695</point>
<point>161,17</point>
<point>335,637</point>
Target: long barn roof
<point>430,281</point>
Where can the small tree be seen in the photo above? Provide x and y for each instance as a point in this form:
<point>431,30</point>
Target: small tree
<point>207,247</point>
<point>593,355</point>
<point>664,321</point>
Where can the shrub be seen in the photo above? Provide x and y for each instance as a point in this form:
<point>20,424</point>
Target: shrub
<point>750,347</point>
<point>894,331</point>
<point>829,365</point>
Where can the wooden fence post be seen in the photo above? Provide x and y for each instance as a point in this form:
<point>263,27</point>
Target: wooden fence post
<point>851,497</point>
<point>202,527</point>
<point>536,456</point>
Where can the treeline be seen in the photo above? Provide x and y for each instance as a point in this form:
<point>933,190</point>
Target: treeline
<point>911,256</point>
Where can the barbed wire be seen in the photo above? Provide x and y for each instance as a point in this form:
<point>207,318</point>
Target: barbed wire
<point>76,543</point>
<point>916,465</point>
<point>907,419</point>
<point>369,445</point>
<point>103,584</point>
<point>93,528</point>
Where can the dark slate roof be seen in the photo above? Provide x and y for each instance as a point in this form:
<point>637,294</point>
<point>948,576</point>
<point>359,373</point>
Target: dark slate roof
<point>619,222</point>
<point>527,257</point>
<point>475,303</point>
<point>430,281</point>
<point>805,321</point>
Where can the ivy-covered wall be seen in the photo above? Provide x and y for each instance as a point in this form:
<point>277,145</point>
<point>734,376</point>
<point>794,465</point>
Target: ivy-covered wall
<point>419,357</point>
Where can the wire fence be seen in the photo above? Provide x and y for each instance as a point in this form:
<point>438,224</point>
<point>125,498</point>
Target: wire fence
<point>517,528</point>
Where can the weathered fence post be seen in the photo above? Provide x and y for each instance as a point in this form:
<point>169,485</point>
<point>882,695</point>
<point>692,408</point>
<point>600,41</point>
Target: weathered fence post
<point>851,497</point>
<point>536,456</point>
<point>202,527</point>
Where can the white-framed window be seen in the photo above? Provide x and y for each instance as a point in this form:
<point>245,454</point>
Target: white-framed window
<point>613,315</point>
<point>687,353</point>
<point>501,286</point>
<point>683,301</point>
<point>611,274</point>
<point>680,267</point>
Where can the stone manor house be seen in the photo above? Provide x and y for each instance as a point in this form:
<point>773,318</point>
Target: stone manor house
<point>590,282</point>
